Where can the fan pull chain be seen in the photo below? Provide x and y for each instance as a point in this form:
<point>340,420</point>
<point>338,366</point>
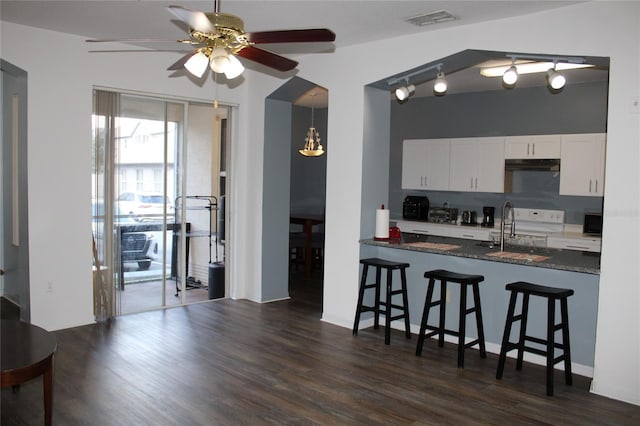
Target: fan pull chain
<point>215,90</point>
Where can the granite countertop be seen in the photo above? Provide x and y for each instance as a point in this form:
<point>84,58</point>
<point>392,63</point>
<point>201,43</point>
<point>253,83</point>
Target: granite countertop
<point>566,260</point>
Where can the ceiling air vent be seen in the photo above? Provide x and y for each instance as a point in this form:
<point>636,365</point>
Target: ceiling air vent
<point>431,18</point>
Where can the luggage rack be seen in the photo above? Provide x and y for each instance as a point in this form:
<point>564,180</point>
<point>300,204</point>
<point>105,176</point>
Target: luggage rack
<point>207,203</point>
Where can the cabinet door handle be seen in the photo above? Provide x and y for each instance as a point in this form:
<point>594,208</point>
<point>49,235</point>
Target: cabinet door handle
<point>590,185</point>
<point>527,150</point>
<point>471,183</point>
<point>596,186</point>
<point>476,183</point>
<point>533,149</point>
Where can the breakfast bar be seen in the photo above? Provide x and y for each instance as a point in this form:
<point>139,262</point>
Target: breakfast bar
<point>569,269</point>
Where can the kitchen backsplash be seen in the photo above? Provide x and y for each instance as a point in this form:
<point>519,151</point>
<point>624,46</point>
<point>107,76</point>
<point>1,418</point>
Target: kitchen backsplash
<point>531,189</point>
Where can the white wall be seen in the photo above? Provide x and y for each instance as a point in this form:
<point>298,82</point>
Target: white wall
<point>62,73</point>
<point>600,29</point>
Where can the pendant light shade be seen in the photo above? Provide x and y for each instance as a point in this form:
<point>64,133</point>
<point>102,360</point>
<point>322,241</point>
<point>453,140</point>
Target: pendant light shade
<point>197,64</point>
<point>219,60</point>
<point>234,69</point>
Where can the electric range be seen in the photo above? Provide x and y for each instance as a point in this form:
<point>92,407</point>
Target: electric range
<point>532,227</point>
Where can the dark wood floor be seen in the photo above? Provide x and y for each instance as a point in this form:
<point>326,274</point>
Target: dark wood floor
<point>229,362</point>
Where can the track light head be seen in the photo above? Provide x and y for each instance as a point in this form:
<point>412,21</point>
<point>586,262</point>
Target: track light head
<point>510,76</point>
<point>440,85</point>
<point>405,92</point>
<point>555,80</point>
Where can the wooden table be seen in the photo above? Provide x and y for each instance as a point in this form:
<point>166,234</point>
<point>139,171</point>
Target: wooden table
<point>307,221</point>
<point>27,352</point>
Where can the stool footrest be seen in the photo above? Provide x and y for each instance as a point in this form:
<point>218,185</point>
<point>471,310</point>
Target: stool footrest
<point>472,343</point>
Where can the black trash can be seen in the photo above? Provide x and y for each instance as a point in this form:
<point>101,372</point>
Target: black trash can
<point>216,280</point>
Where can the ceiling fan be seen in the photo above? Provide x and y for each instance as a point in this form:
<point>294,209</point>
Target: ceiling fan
<point>219,37</point>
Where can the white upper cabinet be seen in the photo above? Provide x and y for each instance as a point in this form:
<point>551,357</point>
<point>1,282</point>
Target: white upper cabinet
<point>533,146</point>
<point>425,164</point>
<point>582,164</point>
<point>477,165</point>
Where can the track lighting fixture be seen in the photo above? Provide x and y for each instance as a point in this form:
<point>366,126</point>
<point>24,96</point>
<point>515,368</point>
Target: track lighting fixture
<point>405,92</point>
<point>527,64</point>
<point>555,80</point>
<point>440,85</point>
<point>510,76</point>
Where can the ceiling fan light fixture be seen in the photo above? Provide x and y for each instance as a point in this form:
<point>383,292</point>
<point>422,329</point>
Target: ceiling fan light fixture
<point>555,80</point>
<point>197,64</point>
<point>405,92</point>
<point>234,69</point>
<point>219,61</point>
<point>440,85</point>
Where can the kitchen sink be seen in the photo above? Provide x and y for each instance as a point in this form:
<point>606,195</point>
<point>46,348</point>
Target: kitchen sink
<point>514,248</point>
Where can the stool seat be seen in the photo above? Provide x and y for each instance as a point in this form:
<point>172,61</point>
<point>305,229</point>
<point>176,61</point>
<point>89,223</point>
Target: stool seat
<point>552,294</point>
<point>464,280</point>
<point>442,274</point>
<point>387,304</point>
<point>387,264</point>
<point>539,290</point>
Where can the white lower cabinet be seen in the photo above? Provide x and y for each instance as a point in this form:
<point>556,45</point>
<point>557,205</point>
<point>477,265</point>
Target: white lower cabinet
<point>477,165</point>
<point>581,244</point>
<point>470,233</point>
<point>424,228</point>
<point>582,164</point>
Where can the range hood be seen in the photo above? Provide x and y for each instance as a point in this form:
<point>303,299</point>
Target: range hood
<point>539,164</point>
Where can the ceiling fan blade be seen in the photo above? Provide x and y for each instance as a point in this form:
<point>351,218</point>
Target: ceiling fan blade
<point>195,19</point>
<point>180,63</point>
<point>267,58</point>
<point>131,40</point>
<point>291,36</point>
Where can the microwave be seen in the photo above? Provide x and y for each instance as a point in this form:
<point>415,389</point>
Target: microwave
<point>592,224</point>
<point>415,208</point>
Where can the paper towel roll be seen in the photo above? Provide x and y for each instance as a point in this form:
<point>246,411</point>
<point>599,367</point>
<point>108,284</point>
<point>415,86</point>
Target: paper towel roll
<point>382,224</point>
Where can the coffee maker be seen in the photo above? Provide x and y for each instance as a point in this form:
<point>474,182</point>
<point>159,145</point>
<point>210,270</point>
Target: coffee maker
<point>488,214</point>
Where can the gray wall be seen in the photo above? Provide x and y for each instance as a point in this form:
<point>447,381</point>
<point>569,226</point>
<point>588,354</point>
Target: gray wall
<point>275,203</point>
<point>579,108</point>
<point>308,174</point>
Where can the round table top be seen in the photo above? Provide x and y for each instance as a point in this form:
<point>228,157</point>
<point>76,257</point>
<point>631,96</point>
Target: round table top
<point>24,344</point>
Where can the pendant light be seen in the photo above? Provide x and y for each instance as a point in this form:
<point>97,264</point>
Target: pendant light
<point>312,146</point>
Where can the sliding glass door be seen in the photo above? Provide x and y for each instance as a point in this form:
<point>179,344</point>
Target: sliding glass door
<point>155,201</point>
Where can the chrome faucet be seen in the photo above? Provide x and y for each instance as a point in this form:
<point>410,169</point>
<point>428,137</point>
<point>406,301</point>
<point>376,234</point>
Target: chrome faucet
<point>503,218</point>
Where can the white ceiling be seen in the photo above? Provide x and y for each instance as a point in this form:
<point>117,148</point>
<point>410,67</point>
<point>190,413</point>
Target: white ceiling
<point>353,21</point>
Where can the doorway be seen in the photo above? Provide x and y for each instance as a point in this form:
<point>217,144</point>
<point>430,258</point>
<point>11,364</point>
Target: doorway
<point>14,232</point>
<point>294,187</point>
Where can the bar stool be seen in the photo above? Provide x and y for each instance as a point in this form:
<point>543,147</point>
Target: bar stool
<point>552,294</point>
<point>464,280</point>
<point>387,304</point>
